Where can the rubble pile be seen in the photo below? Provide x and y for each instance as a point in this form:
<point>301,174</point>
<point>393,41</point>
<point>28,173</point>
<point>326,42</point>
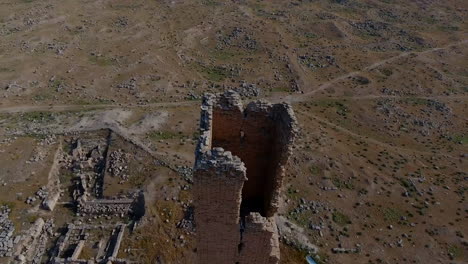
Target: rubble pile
<point>129,85</point>
<point>187,223</point>
<point>39,195</point>
<point>117,207</point>
<point>48,140</point>
<point>32,245</point>
<point>186,173</point>
<point>42,192</point>
<point>247,90</point>
<point>6,232</point>
<point>41,244</point>
<point>239,38</point>
<point>316,61</point>
<point>117,167</point>
<point>86,161</point>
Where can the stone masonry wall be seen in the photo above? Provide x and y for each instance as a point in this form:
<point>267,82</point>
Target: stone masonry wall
<point>238,173</point>
<point>218,194</point>
<point>259,240</point>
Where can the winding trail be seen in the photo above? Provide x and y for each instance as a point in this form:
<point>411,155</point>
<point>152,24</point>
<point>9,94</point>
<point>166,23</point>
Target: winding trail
<point>72,107</point>
<point>368,139</point>
<point>294,98</point>
<point>302,97</point>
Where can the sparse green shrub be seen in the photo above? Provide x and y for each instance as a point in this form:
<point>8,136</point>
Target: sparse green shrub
<point>340,218</point>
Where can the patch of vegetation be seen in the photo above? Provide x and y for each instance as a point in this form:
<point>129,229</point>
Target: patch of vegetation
<point>462,139</point>
<point>195,135</point>
<point>342,110</point>
<point>340,218</point>
<point>454,251</point>
<point>36,135</point>
<point>291,254</point>
<point>416,101</point>
<point>272,15</point>
<point>302,219</point>
<point>362,191</point>
<point>392,215</point>
<point>4,116</point>
<point>66,148</point>
<point>10,205</point>
<point>362,80</point>
<point>292,193</point>
<point>41,97</point>
<point>65,176</point>
<point>87,253</point>
<point>57,84</point>
<point>310,35</point>
<point>32,218</point>
<point>151,239</point>
<point>280,89</point>
<point>211,3</point>
<point>430,20</point>
<point>340,2</point>
<point>223,54</point>
<point>321,258</point>
<point>342,184</point>
<point>138,179</point>
<point>134,6</point>
<point>3,69</point>
<point>81,102</point>
<point>448,28</point>
<point>315,170</point>
<point>214,73</point>
<point>104,101</point>
<point>39,117</point>
<point>101,61</point>
<point>386,71</point>
<point>162,135</point>
<point>409,186</point>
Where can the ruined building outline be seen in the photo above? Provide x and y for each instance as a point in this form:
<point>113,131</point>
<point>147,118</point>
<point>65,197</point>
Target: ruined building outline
<point>238,173</point>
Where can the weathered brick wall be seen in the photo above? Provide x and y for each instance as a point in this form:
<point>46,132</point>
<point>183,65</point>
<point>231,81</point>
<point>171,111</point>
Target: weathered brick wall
<point>242,185</point>
<point>285,132</point>
<point>259,240</point>
<point>217,195</point>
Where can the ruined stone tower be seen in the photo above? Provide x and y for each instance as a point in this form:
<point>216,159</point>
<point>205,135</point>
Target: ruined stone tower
<point>238,173</point>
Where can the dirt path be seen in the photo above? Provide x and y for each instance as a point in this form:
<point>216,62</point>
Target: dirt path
<point>301,97</point>
<point>294,98</point>
<point>368,139</point>
<point>372,97</point>
<point>59,108</point>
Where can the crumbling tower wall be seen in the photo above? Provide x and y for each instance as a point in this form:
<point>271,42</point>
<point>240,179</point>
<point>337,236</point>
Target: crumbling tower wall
<point>239,169</point>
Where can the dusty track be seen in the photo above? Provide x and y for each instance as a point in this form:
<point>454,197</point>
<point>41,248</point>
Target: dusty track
<point>294,98</point>
<point>59,108</point>
<point>368,139</point>
<point>303,97</point>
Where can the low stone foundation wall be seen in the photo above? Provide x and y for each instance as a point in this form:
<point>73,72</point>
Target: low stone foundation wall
<point>116,207</point>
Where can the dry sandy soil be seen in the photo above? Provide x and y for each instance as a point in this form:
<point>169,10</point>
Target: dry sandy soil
<point>379,87</point>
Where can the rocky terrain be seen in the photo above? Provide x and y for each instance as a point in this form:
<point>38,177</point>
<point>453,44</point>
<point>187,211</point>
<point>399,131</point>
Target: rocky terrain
<point>379,87</point>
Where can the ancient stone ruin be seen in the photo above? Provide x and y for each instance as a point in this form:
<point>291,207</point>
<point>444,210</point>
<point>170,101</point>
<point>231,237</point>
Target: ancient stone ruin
<point>239,168</point>
<point>7,228</point>
<point>69,246</point>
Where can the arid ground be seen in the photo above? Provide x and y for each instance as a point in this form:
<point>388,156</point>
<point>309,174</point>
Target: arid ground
<point>379,172</point>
